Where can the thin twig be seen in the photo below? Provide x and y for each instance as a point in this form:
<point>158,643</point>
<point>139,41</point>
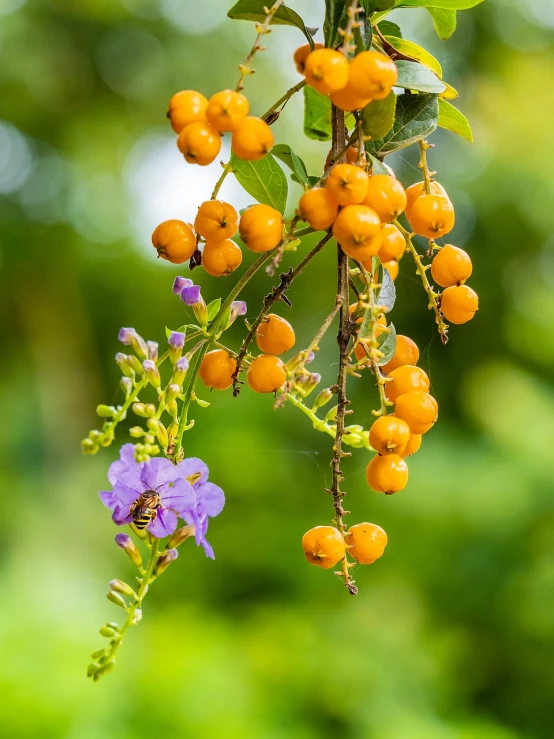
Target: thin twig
<point>262,29</point>
<point>271,115</point>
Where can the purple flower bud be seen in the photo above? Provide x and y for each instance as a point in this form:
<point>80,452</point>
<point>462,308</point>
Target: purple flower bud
<point>127,335</point>
<point>122,361</point>
<point>190,294</point>
<point>164,561</point>
<point>180,283</point>
<point>119,586</point>
<point>310,358</point>
<point>176,339</point>
<point>171,393</point>
<point>129,547</point>
<point>126,385</point>
<point>152,349</point>
<point>152,372</point>
<point>180,371</point>
<point>238,308</point>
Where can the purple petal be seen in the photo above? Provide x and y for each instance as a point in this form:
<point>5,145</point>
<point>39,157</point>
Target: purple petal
<point>211,499</point>
<point>107,497</point>
<point>176,339</point>
<point>195,468</point>
<point>182,364</point>
<point>126,464</point>
<point>180,283</point>
<point>122,515</point>
<point>126,335</point>
<point>180,497</point>
<point>190,295</point>
<point>125,495</point>
<point>157,472</point>
<point>164,524</point>
<point>207,548</point>
<point>238,308</point>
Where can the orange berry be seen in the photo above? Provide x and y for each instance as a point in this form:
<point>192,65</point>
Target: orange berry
<point>387,473</point>
<point>187,106</point>
<point>459,304</point>
<point>326,70</point>
<point>366,542</point>
<point>405,379</point>
<point>302,53</point>
<point>175,241</point>
<point>389,434</point>
<point>392,268</point>
<point>346,99</point>
<point>221,257</point>
<point>432,216</point>
<point>217,369</point>
<point>226,110</point>
<point>412,446</point>
<point>261,228</point>
<point>274,335</point>
<point>357,229</point>
<point>318,208</point>
<point>352,155</point>
<point>419,409</point>
<point>323,546</point>
<point>252,139</point>
<point>216,221</point>
<point>416,191</point>
<point>347,184</point>
<point>451,266</point>
<point>393,245</point>
<point>386,196</point>
<point>199,143</point>
<point>266,374</point>
<point>372,75</point>
<point>405,352</point>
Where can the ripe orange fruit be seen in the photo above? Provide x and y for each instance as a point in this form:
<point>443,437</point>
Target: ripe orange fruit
<point>323,546</point>
<point>174,241</point>
<point>318,208</point>
<point>393,244</point>
<point>419,409</point>
<point>432,216</point>
<point>405,352</point>
<point>346,99</point>
<point>366,542</point>
<point>347,184</point>
<point>302,53</point>
<point>387,473</point>
<point>415,191</point>
<point>459,304</point>
<point>386,196</point>
<point>261,228</point>
<point>274,335</point>
<point>389,434</point>
<point>221,257</point>
<point>404,380</point>
<point>226,110</point>
<point>392,268</point>
<point>326,70</point>
<point>451,266</point>
<point>199,143</point>
<point>216,221</point>
<point>357,229</point>
<point>187,106</point>
<point>266,374</point>
<point>372,75</point>
<point>217,369</point>
<point>352,155</point>
<point>252,139</point>
<point>412,446</point>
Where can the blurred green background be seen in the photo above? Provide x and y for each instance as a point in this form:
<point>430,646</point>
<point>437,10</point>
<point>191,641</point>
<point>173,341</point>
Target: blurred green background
<point>452,635</point>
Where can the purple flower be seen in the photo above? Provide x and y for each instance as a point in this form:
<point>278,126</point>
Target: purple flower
<point>176,340</point>
<point>190,294</point>
<point>127,336</point>
<point>180,283</point>
<point>238,308</point>
<point>152,349</point>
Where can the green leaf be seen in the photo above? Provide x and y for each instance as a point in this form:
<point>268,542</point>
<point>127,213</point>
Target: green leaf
<point>201,403</point>
<point>263,179</point>
<point>445,4</point>
<point>372,5</point>
<point>213,309</point>
<point>414,76</point>
<point>417,52</point>
<point>253,10</point>
<point>317,115</point>
<point>388,346</point>
<point>335,17</point>
<point>453,120</point>
<point>293,162</point>
<point>377,167</point>
<point>388,28</point>
<point>387,293</point>
<point>444,21</point>
<point>416,117</point>
<point>378,117</point>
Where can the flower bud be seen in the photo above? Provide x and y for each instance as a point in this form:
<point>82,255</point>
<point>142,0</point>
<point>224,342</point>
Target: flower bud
<point>139,409</point>
<point>162,435</point>
<point>150,409</point>
<point>180,371</point>
<point>176,343</point>
<point>181,535</point>
<point>171,393</point>
<point>322,398</point>
<point>310,358</point>
<point>152,347</point>
<point>137,616</point>
<point>105,411</point>
<point>107,632</point>
<point>191,296</point>
<point>122,361</point>
<point>118,586</point>
<point>172,408</point>
<point>129,547</point>
<point>307,383</point>
<point>135,364</point>
<point>136,432</point>
<point>126,385</point>
<point>238,308</point>
<point>163,562</point>
<point>129,337</point>
<point>149,439</point>
<point>88,446</point>
<point>180,283</point>
<point>151,372</point>
<point>332,414</point>
<point>354,436</point>
<point>116,599</point>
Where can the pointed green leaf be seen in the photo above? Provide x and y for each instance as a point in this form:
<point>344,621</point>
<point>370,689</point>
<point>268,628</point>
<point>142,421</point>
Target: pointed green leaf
<point>293,162</point>
<point>414,76</point>
<point>377,167</point>
<point>335,17</point>
<point>254,10</point>
<point>388,346</point>
<point>388,28</point>
<point>378,117</point>
<point>444,21</point>
<point>453,120</point>
<point>263,179</point>
<point>387,293</point>
<point>317,115</point>
<point>416,117</point>
<point>417,52</point>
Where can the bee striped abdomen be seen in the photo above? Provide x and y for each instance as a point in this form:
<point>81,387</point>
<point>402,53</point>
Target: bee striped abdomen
<point>144,510</point>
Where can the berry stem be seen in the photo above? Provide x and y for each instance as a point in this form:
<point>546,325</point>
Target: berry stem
<point>424,166</point>
<point>263,28</point>
<point>348,32</point>
<point>227,168</point>
<point>271,115</point>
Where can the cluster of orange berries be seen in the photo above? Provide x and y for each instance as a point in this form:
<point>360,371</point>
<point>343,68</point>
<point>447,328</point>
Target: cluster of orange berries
<point>199,124</point>
<point>351,84</point>
<point>266,373</point>
<point>325,546</point>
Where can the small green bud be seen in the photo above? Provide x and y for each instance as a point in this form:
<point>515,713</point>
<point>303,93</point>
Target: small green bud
<point>89,447</point>
<point>180,536</point>
<point>332,414</point>
<point>137,616</point>
<point>129,547</point>
<point>150,409</point>
<point>107,632</point>
<point>152,372</point>
<point>124,365</point>
<point>171,393</point>
<point>113,625</point>
<point>126,385</point>
<point>105,411</point>
<point>106,440</point>
<point>163,562</point>
<point>116,599</point>
<point>136,432</point>
<point>322,398</point>
<point>119,586</point>
<point>98,653</point>
<point>173,409</point>
<point>91,670</point>
<point>149,439</point>
<point>135,364</point>
<point>139,409</point>
<point>95,435</point>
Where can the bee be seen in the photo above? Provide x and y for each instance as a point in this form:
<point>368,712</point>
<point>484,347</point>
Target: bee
<point>145,509</point>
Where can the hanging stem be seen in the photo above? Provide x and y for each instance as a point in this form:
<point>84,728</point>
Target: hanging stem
<point>262,28</point>
<point>423,165</point>
<point>270,116</point>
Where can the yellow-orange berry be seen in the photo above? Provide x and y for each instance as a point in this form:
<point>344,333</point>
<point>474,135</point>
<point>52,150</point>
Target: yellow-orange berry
<point>226,110</point>
<point>266,374</point>
<point>392,268</point>
<point>174,241</point>
<point>252,139</point>
<point>405,352</point>
<point>432,216</point>
<point>372,75</point>
<point>274,335</point>
<point>366,542</point>
<point>389,434</point>
<point>323,546</point>
<point>199,143</point>
<point>459,304</point>
<point>386,196</point>
<point>326,70</point>
<point>352,155</point>
<point>221,257</point>
<point>302,53</point>
<point>261,227</point>
<point>393,245</point>
<point>412,446</point>
<point>357,229</point>
<point>346,99</point>
<point>187,106</point>
<point>217,369</point>
<point>451,266</point>
<point>387,473</point>
<point>405,379</point>
<point>347,184</point>
<point>419,409</point>
<point>216,221</point>
<point>416,191</point>
<point>318,208</point>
